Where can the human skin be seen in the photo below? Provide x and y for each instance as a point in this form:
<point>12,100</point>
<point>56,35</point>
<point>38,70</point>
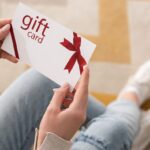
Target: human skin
<point>4,30</point>
<point>65,123</point>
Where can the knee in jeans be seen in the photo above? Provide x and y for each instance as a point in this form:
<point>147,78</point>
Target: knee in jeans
<point>125,129</point>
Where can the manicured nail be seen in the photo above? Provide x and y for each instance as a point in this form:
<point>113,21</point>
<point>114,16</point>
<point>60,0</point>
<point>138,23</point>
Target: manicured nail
<point>6,28</point>
<point>55,89</point>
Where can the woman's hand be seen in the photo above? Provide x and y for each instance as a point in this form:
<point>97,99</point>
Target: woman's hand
<point>65,123</point>
<point>4,30</point>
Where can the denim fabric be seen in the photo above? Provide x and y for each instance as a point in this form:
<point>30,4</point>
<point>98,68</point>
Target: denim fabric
<point>115,129</point>
<point>22,106</point>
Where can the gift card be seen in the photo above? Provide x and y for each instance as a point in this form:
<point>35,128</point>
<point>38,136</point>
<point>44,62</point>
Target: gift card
<point>49,47</point>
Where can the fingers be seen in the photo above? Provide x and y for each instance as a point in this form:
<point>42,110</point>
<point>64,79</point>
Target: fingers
<point>7,56</point>
<point>4,31</point>
<point>3,22</point>
<point>80,97</point>
<point>59,95</point>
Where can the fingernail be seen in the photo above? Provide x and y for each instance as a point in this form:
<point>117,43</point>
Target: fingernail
<point>6,28</point>
<point>55,89</point>
<point>85,67</point>
<point>65,85</point>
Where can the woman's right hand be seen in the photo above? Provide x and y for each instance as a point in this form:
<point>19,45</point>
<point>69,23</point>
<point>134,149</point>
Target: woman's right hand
<point>65,122</point>
<point>4,30</point>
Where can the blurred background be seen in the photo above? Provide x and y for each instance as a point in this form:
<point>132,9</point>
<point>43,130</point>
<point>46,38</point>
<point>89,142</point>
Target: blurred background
<point>120,28</point>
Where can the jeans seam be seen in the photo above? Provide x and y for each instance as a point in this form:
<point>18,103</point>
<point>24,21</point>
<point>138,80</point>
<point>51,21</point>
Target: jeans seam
<point>99,144</point>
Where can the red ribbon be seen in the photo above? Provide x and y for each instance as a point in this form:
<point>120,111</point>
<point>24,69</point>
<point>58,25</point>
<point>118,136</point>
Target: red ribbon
<point>14,41</point>
<point>77,55</point>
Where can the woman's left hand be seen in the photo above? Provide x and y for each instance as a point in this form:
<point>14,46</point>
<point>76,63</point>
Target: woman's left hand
<point>4,30</point>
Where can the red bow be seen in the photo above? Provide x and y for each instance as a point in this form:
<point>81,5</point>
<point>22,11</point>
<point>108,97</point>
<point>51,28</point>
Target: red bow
<point>14,41</point>
<point>77,55</point>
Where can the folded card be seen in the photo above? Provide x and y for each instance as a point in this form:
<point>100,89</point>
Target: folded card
<point>47,46</point>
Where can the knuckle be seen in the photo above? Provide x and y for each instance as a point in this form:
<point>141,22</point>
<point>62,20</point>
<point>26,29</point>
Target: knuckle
<point>83,117</point>
<point>78,115</point>
<point>60,93</point>
<point>2,35</point>
<point>52,110</point>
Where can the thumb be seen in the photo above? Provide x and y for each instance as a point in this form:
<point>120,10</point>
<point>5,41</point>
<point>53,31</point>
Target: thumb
<point>59,95</point>
<point>4,31</point>
<point>7,56</point>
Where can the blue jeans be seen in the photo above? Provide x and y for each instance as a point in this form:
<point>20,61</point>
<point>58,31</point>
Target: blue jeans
<point>23,104</point>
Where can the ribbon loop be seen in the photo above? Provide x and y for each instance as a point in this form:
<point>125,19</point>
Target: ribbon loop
<point>77,55</point>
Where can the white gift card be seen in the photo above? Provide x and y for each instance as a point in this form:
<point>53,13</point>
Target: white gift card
<point>49,47</point>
